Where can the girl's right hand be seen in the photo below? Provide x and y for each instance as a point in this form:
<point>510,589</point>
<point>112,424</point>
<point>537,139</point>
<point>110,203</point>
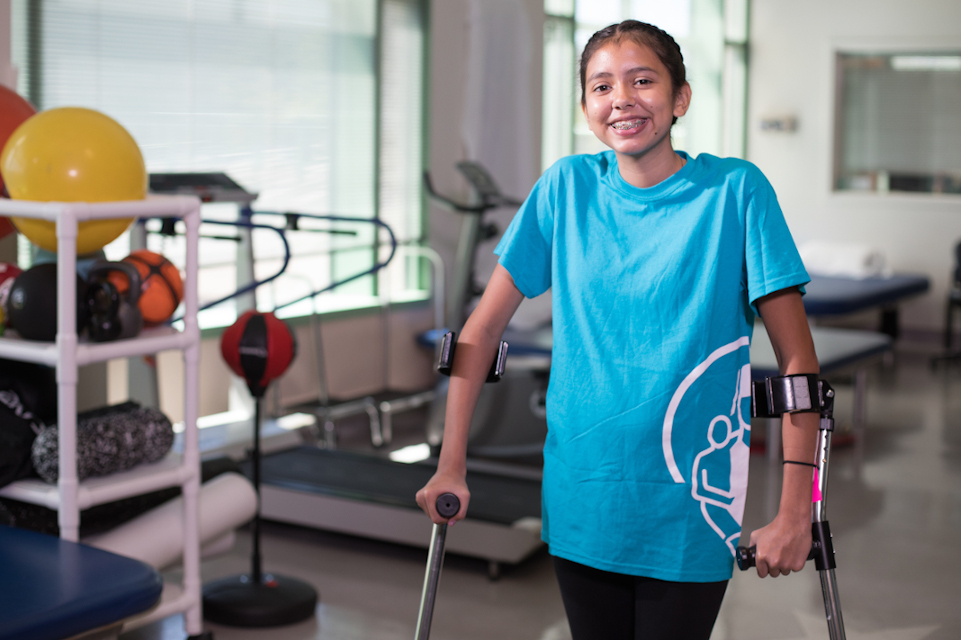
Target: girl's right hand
<point>438,485</point>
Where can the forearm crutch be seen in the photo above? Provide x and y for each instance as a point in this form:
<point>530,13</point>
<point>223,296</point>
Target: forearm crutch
<point>447,505</point>
<point>774,397</point>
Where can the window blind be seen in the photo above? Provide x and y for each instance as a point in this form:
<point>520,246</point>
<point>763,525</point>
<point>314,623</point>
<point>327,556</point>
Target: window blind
<point>282,95</point>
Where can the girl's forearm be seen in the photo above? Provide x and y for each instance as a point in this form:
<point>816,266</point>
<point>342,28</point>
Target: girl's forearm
<point>786,324</point>
<point>476,348</point>
<point>799,437</point>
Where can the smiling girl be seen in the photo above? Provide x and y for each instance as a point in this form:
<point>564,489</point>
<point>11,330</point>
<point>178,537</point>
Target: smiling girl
<point>658,263</point>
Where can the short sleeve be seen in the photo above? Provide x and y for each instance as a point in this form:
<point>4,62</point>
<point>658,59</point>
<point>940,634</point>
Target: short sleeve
<point>525,248</point>
<point>772,259</point>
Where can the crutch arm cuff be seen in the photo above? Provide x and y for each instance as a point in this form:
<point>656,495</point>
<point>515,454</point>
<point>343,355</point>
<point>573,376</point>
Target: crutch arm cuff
<point>777,395</point>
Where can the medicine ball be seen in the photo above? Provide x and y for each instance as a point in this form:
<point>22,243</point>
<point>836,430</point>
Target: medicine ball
<point>8,273</point>
<point>34,384</point>
<point>73,154</point>
<point>259,348</point>
<point>32,305</point>
<point>161,290</point>
<point>14,111</point>
<point>6,227</point>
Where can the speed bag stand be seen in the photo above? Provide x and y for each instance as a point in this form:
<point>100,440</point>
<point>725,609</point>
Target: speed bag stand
<point>773,397</point>
<point>258,347</point>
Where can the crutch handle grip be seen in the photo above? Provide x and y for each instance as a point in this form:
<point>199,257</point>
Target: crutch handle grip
<point>747,556</point>
<point>447,505</point>
<point>822,549</point>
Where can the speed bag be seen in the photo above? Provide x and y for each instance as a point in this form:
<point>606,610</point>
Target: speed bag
<point>258,347</point>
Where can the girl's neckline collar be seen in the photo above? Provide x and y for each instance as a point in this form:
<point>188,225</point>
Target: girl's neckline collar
<point>661,189</point>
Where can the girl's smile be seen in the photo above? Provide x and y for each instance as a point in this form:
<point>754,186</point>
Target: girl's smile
<point>629,126</point>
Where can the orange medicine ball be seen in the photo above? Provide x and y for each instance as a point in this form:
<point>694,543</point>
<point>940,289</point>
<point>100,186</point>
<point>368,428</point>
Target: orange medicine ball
<point>162,288</point>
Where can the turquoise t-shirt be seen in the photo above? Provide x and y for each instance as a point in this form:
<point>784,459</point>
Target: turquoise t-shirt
<point>648,406</point>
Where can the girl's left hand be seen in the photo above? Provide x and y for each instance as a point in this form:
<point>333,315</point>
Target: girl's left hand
<point>782,546</point>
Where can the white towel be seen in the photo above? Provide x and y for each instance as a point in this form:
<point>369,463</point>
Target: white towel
<point>846,259</point>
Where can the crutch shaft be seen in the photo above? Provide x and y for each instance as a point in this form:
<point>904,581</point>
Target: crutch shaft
<point>783,394</point>
<point>447,505</point>
<point>832,605</point>
<point>435,559</point>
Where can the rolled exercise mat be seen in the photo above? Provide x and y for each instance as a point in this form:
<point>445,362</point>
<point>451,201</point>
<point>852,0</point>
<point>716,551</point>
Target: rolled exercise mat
<point>156,537</point>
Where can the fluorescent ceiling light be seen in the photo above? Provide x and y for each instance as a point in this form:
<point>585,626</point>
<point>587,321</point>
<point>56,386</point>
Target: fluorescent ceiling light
<point>926,63</point>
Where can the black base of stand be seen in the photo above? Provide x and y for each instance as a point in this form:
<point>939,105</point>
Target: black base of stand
<point>237,601</point>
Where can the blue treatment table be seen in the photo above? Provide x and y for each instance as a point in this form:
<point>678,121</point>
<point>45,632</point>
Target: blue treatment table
<point>835,296</point>
<point>841,352</point>
<point>53,589</point>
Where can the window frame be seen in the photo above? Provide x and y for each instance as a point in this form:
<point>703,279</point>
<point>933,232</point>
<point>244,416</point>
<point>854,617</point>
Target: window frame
<point>733,68</point>
<point>27,16</point>
<point>840,50</point>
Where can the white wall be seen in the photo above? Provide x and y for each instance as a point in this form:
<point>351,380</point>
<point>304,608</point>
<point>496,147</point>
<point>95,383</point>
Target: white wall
<point>793,45</point>
<point>485,105</point>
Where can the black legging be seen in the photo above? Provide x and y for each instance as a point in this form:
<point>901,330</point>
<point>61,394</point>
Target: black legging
<point>602,605</point>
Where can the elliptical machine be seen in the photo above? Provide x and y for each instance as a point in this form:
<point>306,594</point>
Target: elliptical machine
<point>510,422</point>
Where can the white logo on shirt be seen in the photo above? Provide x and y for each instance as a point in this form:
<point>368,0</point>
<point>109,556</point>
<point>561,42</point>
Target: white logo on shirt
<point>719,472</point>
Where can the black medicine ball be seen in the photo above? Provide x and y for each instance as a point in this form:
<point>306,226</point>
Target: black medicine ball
<point>32,305</point>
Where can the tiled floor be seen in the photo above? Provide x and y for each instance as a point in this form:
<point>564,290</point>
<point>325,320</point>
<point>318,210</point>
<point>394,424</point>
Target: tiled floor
<point>895,514</point>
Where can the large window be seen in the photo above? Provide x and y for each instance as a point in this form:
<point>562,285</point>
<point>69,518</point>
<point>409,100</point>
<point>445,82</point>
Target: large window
<point>316,105</point>
<point>560,88</point>
<point>712,35</point>
<point>898,122</point>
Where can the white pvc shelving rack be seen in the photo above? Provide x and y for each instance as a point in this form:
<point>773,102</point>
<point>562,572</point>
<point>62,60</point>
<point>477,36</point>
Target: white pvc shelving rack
<point>68,353</point>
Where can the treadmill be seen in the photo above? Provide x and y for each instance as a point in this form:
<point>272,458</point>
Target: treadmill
<point>372,496</point>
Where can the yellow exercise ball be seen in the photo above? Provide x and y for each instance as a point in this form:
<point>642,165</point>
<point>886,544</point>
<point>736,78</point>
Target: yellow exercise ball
<point>73,154</point>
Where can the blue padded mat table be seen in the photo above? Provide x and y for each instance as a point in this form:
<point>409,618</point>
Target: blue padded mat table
<point>838,350</point>
<point>834,296</point>
<point>54,589</point>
